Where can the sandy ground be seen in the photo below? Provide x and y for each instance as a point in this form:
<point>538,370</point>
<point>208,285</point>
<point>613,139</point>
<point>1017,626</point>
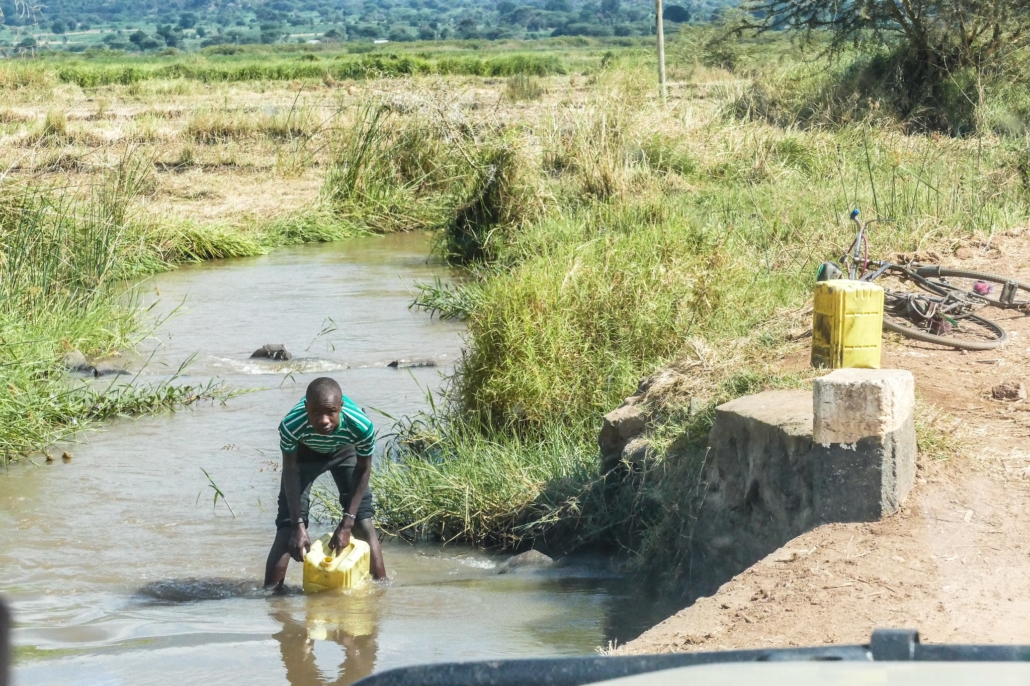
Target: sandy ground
<point>953,563</point>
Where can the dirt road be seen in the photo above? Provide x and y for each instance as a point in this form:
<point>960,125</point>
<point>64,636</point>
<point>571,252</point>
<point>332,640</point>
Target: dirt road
<point>953,563</point>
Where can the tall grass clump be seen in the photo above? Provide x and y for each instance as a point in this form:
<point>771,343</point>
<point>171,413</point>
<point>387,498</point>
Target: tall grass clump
<point>392,176</point>
<point>493,491</point>
<point>522,87</point>
<point>416,162</point>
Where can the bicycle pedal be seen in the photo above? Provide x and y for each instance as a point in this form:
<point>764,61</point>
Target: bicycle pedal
<point>1009,292</point>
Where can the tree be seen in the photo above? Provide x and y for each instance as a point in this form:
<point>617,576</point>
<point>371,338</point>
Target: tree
<point>58,27</point>
<point>401,34</point>
<point>610,8</point>
<point>271,32</point>
<point>467,28</point>
<point>187,20</point>
<point>676,13</point>
<point>942,34</point>
<point>172,38</point>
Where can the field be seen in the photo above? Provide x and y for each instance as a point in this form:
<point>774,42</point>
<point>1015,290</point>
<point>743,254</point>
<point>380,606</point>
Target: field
<point>606,234</point>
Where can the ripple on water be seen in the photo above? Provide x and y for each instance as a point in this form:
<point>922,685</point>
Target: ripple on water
<point>298,365</point>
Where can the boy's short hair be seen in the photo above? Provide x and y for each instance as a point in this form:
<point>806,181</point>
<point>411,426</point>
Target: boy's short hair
<point>323,390</point>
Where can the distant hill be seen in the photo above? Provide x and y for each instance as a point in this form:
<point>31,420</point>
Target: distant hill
<point>147,25</point>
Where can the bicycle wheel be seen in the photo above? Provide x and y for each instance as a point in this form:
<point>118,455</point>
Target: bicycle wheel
<point>967,332</point>
<point>997,291</point>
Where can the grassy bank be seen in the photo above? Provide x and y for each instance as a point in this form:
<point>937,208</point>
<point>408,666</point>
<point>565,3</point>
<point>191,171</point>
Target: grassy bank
<point>64,256</point>
<point>611,235</point>
<point>59,260</point>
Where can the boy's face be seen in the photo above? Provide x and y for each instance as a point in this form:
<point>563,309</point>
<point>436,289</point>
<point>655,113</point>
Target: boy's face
<point>324,415</point>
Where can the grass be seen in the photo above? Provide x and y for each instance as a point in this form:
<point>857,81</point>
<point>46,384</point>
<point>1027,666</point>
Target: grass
<point>939,435</point>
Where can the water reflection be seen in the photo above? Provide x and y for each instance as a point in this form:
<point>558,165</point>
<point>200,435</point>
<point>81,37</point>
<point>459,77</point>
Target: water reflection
<point>346,621</point>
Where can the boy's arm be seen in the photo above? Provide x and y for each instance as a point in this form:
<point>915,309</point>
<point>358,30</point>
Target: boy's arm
<point>299,541</point>
<point>359,482</point>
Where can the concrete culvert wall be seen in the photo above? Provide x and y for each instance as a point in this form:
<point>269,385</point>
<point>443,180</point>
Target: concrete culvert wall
<point>781,462</point>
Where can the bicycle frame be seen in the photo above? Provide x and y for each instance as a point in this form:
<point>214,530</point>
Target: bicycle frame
<point>856,249</point>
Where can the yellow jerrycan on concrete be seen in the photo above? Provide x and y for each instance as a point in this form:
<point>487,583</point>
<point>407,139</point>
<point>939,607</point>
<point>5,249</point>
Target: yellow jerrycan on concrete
<point>323,571</point>
<point>847,324</point>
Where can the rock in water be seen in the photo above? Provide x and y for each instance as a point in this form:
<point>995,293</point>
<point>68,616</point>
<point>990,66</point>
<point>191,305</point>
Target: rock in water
<point>109,368</point>
<point>531,559</point>
<point>273,351</point>
<point>1010,390</point>
<point>406,364</point>
<point>75,361</point>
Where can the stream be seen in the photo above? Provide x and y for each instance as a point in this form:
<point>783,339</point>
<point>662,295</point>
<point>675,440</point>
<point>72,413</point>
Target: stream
<point>120,569</point>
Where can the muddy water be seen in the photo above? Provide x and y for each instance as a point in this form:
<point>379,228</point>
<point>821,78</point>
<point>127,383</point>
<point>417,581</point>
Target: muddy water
<point>121,570</point>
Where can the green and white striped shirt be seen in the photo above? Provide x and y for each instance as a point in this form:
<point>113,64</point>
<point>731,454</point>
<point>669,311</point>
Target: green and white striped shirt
<point>355,429</point>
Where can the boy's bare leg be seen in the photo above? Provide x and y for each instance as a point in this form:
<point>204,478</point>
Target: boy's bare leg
<point>278,558</point>
<point>366,531</point>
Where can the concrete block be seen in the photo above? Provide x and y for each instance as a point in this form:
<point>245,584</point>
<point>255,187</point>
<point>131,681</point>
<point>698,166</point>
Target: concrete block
<point>865,452</point>
<point>758,481</point>
<point>756,449</point>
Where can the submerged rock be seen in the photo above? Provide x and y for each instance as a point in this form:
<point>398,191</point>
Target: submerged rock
<point>531,559</point>
<point>272,351</point>
<point>109,368</point>
<point>406,364</point>
<point>75,361</point>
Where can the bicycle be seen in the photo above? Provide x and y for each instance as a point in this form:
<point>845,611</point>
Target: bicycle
<point>945,312</point>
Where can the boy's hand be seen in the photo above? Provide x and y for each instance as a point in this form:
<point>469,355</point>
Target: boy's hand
<point>341,537</point>
<point>300,544</point>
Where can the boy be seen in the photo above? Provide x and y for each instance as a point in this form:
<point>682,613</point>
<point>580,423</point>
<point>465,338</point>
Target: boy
<point>324,432</point>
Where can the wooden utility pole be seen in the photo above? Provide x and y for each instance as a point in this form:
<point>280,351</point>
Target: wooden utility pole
<point>660,30</point>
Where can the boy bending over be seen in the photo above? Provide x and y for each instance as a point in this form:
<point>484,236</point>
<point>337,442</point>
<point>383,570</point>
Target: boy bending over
<point>324,432</point>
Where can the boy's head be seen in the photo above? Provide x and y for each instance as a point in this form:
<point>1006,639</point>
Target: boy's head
<point>324,402</point>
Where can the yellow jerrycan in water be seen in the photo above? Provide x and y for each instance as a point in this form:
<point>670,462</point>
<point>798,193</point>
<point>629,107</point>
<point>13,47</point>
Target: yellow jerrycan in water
<point>323,571</point>
<point>847,324</point>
